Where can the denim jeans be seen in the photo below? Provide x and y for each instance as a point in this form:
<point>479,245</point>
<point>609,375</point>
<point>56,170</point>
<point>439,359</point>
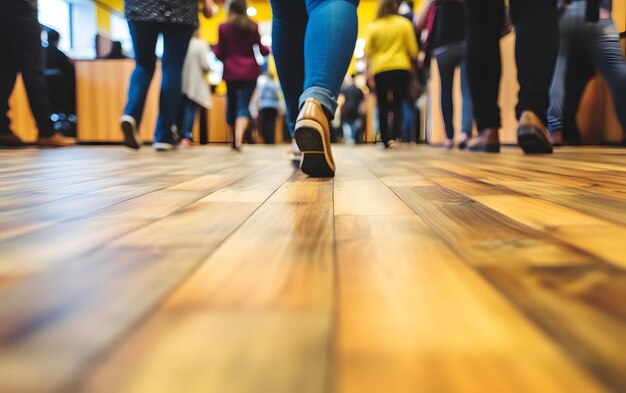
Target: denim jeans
<point>189,110</point>
<point>601,42</point>
<point>313,43</point>
<point>175,42</point>
<point>449,57</point>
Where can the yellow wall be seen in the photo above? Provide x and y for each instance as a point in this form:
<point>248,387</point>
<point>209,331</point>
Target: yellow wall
<point>104,16</point>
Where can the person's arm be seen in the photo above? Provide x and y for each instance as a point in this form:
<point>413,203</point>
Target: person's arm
<point>265,50</point>
<point>209,8</point>
<point>203,58</point>
<point>422,16</point>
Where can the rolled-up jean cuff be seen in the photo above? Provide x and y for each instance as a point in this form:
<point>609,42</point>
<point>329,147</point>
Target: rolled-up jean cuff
<point>324,96</point>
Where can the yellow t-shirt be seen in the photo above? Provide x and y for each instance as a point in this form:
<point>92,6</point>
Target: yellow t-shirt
<point>390,44</point>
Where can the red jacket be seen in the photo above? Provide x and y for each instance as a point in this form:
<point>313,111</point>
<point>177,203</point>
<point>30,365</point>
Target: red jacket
<point>235,50</point>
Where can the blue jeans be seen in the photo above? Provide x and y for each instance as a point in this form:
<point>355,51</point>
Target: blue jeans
<point>449,57</point>
<point>189,109</point>
<point>175,42</point>
<point>601,42</point>
<point>238,96</point>
<point>313,43</point>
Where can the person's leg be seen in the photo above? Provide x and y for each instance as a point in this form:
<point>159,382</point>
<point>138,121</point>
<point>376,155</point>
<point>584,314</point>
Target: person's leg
<point>175,43</point>
<point>289,21</point>
<point>25,42</point>
<point>485,20</point>
<point>268,122</point>
<point>382,102</point>
<point>557,87</point>
<point>189,117</point>
<point>467,116</point>
<point>399,90</point>
<point>242,122</point>
<point>328,46</point>
<point>144,36</point>
<point>604,48</point>
<point>8,76</point>
<point>536,50</point>
<point>446,63</point>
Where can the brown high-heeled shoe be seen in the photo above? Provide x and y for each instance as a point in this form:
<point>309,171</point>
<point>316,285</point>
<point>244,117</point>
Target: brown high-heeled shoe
<point>532,135</point>
<point>312,135</point>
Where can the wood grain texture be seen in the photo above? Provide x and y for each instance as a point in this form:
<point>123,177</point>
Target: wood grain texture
<point>418,269</point>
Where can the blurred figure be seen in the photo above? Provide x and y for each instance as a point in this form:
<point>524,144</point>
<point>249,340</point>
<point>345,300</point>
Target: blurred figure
<point>61,80</point>
<point>196,91</point>
<point>391,48</point>
<point>116,52</point>
<point>237,39</point>
<point>268,104</point>
<point>352,110</point>
<point>536,49</point>
<point>176,20</point>
<point>313,43</point>
<point>600,40</point>
<point>446,41</point>
<point>20,45</point>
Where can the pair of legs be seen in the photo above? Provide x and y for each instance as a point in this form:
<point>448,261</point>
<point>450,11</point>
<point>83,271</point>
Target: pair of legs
<point>238,95</point>
<point>268,124</point>
<point>536,49</point>
<point>21,50</point>
<point>313,43</point>
<point>391,92</point>
<point>175,42</point>
<point>449,57</point>
<point>600,41</point>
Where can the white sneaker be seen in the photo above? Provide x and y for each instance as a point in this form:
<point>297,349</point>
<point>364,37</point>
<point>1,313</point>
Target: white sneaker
<point>163,146</point>
<point>132,138</point>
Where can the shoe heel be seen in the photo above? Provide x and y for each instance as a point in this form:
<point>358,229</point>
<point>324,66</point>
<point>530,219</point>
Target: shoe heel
<point>533,141</point>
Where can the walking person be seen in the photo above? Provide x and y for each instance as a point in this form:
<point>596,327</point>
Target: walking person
<point>235,48</point>
<point>268,105</point>
<point>536,49</point>
<point>446,42</point>
<point>196,90</point>
<point>313,42</point>
<point>352,110</point>
<point>20,46</point>
<point>175,20</point>
<point>599,38</point>
<point>391,50</point>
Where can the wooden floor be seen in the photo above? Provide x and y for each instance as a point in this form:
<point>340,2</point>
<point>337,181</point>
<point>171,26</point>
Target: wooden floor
<point>416,270</point>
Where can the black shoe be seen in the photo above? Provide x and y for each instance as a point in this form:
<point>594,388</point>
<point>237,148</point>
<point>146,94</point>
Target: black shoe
<point>532,135</point>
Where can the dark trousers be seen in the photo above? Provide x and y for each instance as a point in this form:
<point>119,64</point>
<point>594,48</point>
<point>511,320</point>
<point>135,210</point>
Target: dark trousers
<point>536,50</point>
<point>391,92</point>
<point>175,42</point>
<point>268,124</point>
<point>21,51</point>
